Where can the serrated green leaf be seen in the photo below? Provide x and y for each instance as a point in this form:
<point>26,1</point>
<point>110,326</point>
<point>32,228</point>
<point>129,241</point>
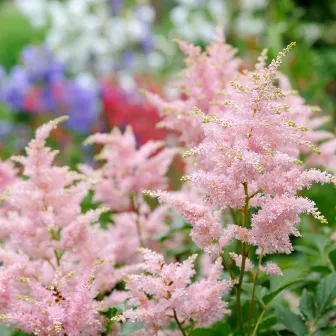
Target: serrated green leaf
<point>292,322</point>
<point>270,296</point>
<point>332,257</point>
<point>326,293</point>
<point>308,306</point>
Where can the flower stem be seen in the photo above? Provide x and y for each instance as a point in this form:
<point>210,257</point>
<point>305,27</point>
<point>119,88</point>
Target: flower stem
<point>238,292</point>
<point>244,256</point>
<point>179,323</point>
<point>259,320</point>
<point>226,265</point>
<point>253,292</point>
<point>137,221</point>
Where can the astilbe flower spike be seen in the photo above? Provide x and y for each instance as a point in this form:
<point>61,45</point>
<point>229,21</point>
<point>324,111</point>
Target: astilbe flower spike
<point>166,293</point>
<point>51,249</point>
<point>209,83</point>
<point>204,83</point>
<point>251,162</point>
<point>126,171</point>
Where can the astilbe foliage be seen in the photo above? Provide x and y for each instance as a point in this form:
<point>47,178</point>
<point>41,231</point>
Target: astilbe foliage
<point>166,293</point>
<point>50,252</point>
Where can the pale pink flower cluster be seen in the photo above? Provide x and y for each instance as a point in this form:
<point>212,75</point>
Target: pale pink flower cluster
<point>127,170</point>
<point>61,308</point>
<point>251,156</point>
<point>165,293</point>
<point>270,268</point>
<point>307,115</point>
<point>206,83</point>
<point>46,239</point>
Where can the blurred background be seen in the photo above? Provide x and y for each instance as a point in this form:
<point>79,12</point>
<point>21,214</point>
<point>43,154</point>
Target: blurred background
<point>89,58</point>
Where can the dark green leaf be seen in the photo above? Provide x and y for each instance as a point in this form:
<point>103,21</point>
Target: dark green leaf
<point>329,331</point>
<point>206,332</point>
<point>269,297</point>
<point>324,270</point>
<point>326,293</point>
<point>308,306</point>
<point>332,257</point>
<point>292,322</point>
<point>268,322</point>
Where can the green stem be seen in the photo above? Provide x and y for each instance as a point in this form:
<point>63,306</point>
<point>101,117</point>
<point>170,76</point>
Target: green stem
<point>253,292</point>
<point>179,323</point>
<point>191,328</point>
<point>137,222</point>
<point>238,292</point>
<point>259,320</point>
<point>58,257</point>
<point>234,216</point>
<point>244,256</point>
<point>226,265</point>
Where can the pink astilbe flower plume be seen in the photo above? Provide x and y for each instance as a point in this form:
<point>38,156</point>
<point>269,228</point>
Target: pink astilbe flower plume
<point>65,307</point>
<point>127,170</point>
<point>166,293</point>
<point>204,83</point>
<point>251,157</point>
<point>47,237</point>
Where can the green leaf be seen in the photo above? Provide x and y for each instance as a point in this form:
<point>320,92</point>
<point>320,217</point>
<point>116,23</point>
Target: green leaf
<point>332,257</point>
<point>292,322</point>
<point>326,293</point>
<point>308,306</point>
<point>4,331</point>
<point>329,331</point>
<point>268,322</point>
<point>260,292</point>
<point>269,297</point>
<point>206,332</point>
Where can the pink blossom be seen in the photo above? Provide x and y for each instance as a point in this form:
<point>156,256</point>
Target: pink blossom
<point>249,156</point>
<point>173,294</point>
<point>238,261</point>
<point>271,269</point>
<point>60,308</point>
<point>126,169</point>
<point>48,237</point>
<point>204,82</point>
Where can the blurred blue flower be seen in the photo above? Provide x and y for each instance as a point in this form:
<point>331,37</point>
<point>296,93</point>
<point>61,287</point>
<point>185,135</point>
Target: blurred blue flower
<point>5,129</point>
<point>41,65</point>
<point>14,88</point>
<point>81,104</point>
<point>116,6</point>
<point>40,85</point>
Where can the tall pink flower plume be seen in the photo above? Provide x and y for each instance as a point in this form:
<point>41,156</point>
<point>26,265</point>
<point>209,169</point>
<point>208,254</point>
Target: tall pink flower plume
<point>204,83</point>
<point>127,170</point>
<point>251,157</point>
<point>166,293</point>
<point>51,249</point>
